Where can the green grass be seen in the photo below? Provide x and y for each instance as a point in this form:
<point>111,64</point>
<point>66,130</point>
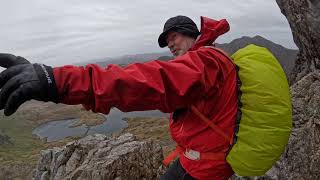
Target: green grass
<point>24,145</point>
<point>153,128</point>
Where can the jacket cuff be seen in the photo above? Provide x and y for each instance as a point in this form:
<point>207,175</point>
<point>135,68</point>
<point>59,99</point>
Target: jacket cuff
<point>46,77</point>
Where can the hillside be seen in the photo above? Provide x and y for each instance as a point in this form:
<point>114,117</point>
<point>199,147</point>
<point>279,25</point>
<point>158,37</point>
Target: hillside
<point>285,56</point>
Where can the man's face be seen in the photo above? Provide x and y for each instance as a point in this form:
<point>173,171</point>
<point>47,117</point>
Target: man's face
<point>179,43</point>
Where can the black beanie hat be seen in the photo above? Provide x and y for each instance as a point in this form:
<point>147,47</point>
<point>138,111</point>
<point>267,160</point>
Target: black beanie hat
<point>181,24</point>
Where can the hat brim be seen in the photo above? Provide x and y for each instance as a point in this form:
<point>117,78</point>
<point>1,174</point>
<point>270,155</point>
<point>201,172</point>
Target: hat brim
<point>162,40</point>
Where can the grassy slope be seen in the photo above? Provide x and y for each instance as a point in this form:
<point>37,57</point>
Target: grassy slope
<point>18,159</point>
<point>19,131</point>
<point>154,128</point>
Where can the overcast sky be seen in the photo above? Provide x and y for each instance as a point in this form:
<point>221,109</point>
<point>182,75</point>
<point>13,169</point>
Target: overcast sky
<point>58,32</point>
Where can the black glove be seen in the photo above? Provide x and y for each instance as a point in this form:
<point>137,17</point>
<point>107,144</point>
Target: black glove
<point>23,81</point>
<point>8,60</point>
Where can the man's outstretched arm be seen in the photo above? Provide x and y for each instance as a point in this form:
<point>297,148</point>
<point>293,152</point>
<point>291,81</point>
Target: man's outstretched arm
<point>165,86</point>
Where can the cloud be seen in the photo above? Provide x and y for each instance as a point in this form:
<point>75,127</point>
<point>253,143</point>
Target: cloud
<point>58,31</point>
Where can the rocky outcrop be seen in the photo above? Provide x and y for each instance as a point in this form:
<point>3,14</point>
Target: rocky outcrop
<point>301,159</point>
<point>101,157</point>
<point>4,139</point>
<point>304,19</point>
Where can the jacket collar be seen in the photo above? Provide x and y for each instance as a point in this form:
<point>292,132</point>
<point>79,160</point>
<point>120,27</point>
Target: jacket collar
<point>210,30</point>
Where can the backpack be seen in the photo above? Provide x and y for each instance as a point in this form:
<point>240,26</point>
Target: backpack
<point>265,121</point>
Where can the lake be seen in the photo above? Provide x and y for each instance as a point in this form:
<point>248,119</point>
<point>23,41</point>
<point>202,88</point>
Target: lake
<point>56,130</point>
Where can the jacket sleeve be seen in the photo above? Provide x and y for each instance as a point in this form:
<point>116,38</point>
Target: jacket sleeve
<point>165,86</point>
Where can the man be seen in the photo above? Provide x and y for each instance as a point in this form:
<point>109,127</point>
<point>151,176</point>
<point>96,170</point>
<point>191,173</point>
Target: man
<point>200,78</point>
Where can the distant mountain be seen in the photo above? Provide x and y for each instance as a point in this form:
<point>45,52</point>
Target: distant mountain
<point>285,56</point>
<point>128,59</point>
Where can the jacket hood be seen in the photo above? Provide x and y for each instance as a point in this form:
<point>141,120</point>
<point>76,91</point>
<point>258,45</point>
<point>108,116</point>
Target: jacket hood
<point>210,30</point>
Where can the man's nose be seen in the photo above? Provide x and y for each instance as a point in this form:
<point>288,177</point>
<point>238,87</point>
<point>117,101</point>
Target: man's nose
<point>170,44</point>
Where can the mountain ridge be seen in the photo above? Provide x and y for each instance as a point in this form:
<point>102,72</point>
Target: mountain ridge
<point>285,55</point>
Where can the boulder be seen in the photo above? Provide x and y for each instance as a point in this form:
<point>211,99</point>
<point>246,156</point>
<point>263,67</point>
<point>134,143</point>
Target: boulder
<point>101,157</point>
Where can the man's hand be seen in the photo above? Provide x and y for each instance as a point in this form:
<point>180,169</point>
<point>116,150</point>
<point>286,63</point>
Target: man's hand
<point>22,81</point>
<point>8,60</point>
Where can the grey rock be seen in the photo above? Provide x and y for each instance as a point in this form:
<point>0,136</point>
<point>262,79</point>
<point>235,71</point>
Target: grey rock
<point>44,162</point>
<point>45,176</point>
<point>304,19</point>
<point>74,161</point>
<point>101,157</point>
<point>60,173</point>
<point>301,158</point>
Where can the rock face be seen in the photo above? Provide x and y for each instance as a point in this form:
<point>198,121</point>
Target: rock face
<point>304,19</point>
<point>301,159</point>
<point>101,157</point>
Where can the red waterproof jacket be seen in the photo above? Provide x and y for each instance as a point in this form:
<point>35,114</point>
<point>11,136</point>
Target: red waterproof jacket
<point>202,77</point>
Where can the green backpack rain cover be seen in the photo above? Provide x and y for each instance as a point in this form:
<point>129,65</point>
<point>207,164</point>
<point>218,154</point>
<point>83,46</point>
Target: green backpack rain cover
<point>266,120</point>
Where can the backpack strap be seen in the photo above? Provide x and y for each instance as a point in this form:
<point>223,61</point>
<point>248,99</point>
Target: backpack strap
<point>239,83</point>
<point>194,155</point>
<point>211,124</point>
